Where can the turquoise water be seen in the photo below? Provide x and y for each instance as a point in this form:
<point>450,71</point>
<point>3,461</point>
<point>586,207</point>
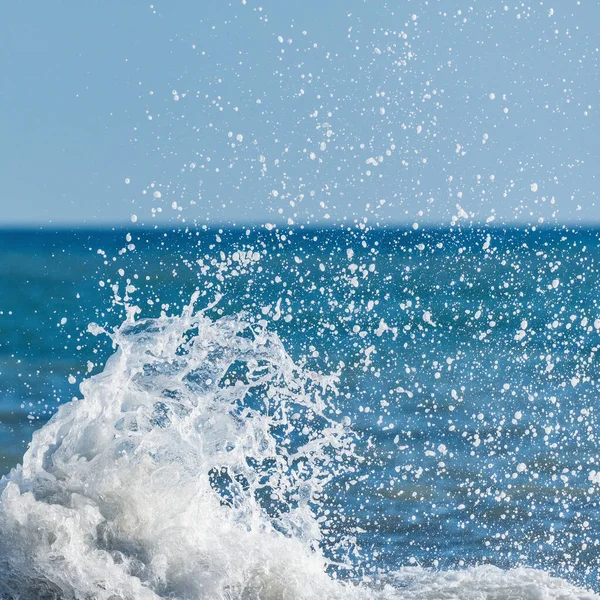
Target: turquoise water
<point>467,362</point>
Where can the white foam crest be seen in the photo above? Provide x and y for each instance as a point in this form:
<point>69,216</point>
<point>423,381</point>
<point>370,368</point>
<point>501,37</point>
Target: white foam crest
<point>192,469</point>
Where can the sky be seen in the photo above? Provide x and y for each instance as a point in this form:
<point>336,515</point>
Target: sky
<point>256,112</point>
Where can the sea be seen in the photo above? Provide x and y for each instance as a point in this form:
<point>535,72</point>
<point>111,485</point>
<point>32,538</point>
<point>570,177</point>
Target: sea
<point>288,412</point>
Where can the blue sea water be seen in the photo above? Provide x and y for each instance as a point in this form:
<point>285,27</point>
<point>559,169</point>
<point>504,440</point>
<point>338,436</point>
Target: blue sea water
<point>467,364</point>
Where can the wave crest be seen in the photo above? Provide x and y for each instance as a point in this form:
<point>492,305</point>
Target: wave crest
<point>194,467</point>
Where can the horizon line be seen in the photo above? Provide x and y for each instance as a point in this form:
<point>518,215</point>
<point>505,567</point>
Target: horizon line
<point>400,226</point>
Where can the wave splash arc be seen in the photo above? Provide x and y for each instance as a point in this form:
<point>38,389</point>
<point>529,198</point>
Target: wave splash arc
<point>194,467</point>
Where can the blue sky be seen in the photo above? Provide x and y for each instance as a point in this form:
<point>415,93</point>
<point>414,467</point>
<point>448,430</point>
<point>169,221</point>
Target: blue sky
<point>299,112</point>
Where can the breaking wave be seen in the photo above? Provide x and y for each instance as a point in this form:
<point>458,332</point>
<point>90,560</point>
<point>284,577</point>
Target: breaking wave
<point>196,466</point>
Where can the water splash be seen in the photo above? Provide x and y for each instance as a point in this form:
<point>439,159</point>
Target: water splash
<point>194,467</point>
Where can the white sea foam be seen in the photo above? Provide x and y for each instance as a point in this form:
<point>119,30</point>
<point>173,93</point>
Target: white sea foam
<point>192,469</point>
<point>486,582</point>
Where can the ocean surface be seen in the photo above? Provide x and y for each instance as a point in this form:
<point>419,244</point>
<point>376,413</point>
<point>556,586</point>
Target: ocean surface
<point>300,413</point>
